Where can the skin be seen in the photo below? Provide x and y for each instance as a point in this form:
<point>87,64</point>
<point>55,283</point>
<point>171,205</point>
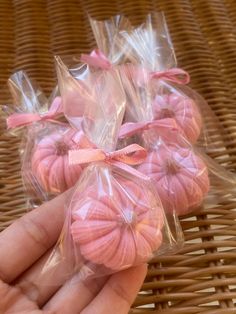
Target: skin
<point>24,248</point>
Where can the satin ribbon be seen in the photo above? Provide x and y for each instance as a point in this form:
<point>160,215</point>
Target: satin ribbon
<point>21,119</point>
<point>123,158</point>
<point>175,75</point>
<point>163,126</point>
<point>96,59</point>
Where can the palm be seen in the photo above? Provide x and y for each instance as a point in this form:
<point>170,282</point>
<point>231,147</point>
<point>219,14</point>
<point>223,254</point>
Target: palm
<point>24,248</point>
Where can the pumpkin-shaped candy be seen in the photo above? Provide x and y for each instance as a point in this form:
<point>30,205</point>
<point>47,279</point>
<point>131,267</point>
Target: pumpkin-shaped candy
<point>181,177</point>
<point>181,108</point>
<point>118,229</point>
<point>50,163</point>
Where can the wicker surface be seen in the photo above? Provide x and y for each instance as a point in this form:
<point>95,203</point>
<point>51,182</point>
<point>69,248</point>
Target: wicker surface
<point>202,277</point>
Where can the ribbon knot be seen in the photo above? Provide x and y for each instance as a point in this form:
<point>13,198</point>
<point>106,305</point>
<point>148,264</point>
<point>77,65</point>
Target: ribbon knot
<point>133,154</point>
<point>96,59</point>
<point>175,75</point>
<point>22,119</point>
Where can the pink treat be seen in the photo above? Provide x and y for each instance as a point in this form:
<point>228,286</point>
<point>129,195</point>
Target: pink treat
<point>183,110</point>
<point>119,229</point>
<point>181,177</point>
<point>50,164</point>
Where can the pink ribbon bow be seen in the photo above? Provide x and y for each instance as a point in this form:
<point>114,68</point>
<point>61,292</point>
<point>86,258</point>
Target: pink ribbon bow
<point>96,59</point>
<point>130,155</point>
<point>175,75</point>
<point>133,154</point>
<point>21,119</point>
<point>163,126</point>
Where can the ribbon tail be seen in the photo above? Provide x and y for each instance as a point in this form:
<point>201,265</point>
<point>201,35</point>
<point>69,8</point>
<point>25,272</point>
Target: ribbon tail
<point>178,76</point>
<point>130,128</point>
<point>21,119</point>
<point>174,75</point>
<point>84,156</point>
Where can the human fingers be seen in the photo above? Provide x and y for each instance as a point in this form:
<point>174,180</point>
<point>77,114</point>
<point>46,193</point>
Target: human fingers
<point>43,279</point>
<point>51,271</point>
<point>40,283</point>
<point>74,296</point>
<point>119,292</point>
<point>30,237</point>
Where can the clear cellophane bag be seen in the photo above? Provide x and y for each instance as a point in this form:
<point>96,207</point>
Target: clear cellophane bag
<point>114,218</point>
<point>172,121</point>
<point>45,140</point>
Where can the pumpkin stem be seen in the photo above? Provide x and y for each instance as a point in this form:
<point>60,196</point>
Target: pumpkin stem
<point>171,166</point>
<point>61,148</point>
<point>166,113</point>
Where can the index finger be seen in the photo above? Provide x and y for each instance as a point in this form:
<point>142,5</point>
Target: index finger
<point>30,237</point>
<point>119,292</point>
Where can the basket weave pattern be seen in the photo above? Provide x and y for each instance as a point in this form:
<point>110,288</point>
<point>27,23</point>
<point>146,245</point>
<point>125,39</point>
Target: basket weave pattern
<point>201,278</point>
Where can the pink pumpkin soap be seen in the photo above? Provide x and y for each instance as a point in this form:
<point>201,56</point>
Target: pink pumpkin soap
<point>50,164</point>
<point>181,177</point>
<point>119,229</point>
<point>183,110</point>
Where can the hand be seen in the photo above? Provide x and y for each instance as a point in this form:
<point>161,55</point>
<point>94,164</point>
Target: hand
<point>24,248</point>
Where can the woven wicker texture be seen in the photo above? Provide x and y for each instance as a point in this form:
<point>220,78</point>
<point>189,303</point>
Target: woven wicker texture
<point>201,278</point>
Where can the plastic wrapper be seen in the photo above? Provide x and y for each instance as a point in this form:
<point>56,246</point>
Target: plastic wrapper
<point>149,46</point>
<point>170,120</point>
<point>181,175</point>
<point>185,176</point>
<point>152,49</point>
<point>72,78</point>
<point>114,217</point>
<point>46,140</point>
<point>109,39</point>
